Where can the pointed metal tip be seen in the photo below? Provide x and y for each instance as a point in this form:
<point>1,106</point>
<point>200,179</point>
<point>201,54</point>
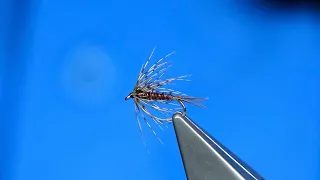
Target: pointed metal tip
<point>204,157</point>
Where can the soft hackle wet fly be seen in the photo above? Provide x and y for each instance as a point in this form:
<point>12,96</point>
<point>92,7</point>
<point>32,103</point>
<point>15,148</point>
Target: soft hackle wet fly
<point>150,94</point>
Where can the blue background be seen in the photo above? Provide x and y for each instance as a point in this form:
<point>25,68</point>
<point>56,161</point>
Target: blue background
<point>66,66</point>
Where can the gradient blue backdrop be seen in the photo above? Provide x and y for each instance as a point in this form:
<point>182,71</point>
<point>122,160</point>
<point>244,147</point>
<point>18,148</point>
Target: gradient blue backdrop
<point>67,65</point>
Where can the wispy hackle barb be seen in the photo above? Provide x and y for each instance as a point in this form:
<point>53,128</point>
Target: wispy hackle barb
<point>149,94</point>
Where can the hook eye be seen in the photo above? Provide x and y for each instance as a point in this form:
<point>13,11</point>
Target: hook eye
<point>128,97</point>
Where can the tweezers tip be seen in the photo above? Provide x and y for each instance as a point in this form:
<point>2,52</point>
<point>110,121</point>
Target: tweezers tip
<point>177,115</point>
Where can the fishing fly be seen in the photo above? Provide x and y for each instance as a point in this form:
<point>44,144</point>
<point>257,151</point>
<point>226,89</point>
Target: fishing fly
<point>151,95</point>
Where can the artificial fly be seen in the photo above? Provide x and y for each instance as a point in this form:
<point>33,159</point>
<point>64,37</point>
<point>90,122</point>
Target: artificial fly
<point>149,94</point>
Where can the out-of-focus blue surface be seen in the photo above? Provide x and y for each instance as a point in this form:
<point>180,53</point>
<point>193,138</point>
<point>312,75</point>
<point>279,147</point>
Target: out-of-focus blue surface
<point>67,65</point>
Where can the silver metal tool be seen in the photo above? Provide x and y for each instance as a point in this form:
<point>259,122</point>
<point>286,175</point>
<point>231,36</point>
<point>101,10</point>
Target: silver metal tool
<point>204,158</point>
